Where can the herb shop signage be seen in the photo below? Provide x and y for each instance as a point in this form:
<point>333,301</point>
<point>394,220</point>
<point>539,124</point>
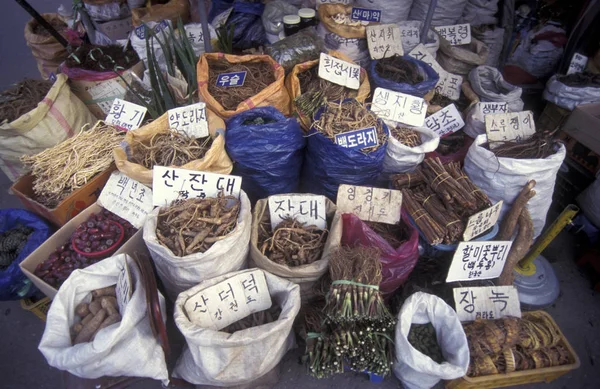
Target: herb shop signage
<point>384,41</point>
<point>125,115</point>
<point>370,204</point>
<point>445,121</point>
<point>307,209</point>
<point>339,72</point>
<point>127,198</point>
<point>486,302</point>
<point>478,260</point>
<point>399,107</point>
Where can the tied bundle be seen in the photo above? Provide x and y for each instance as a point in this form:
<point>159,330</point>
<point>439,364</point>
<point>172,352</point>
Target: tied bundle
<point>169,148</point>
<point>539,145</point>
<point>22,98</point>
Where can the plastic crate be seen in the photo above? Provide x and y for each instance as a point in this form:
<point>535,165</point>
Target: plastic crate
<point>39,308</point>
<point>546,374</point>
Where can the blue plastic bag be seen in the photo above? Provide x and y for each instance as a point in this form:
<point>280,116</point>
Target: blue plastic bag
<point>13,283</point>
<point>267,156</point>
<point>327,165</point>
<point>430,79</point>
<point>248,30</point>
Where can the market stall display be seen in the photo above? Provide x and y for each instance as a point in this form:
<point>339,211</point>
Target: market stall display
<point>403,74</point>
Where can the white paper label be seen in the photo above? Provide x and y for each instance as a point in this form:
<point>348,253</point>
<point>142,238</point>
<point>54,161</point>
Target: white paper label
<point>169,184</point>
<point>221,18</point>
<point>486,302</point>
<point>308,209</point>
<point>449,85</point>
<point>105,93</point>
<point>445,121</point>
<point>231,300</point>
<point>457,34</point>
<point>190,120</point>
<point>482,221</point>
<point>339,72</point>
<point>399,107</point>
<point>370,204</point>
<point>384,41</point>
<point>512,126</point>
<point>125,115</point>
<point>478,260</point>
<point>422,54</point>
<point>410,37</point>
<point>490,107</point>
<point>195,34</point>
<point>127,198</point>
<point>124,287</point>
<point>578,64</point>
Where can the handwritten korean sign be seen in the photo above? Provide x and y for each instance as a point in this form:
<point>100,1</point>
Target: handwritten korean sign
<point>384,41</point>
<point>449,85</point>
<point>231,300</point>
<point>422,54</point>
<point>231,79</point>
<point>445,121</point>
<point>512,126</point>
<point>399,107</point>
<point>124,287</point>
<point>308,209</point>
<point>125,115</point>
<point>490,107</point>
<point>365,14</point>
<point>371,204</point>
<point>410,37</point>
<point>578,64</point>
<point>457,34</point>
<point>190,120</point>
<point>486,302</point>
<point>482,221</point>
<point>339,72</point>
<point>194,34</point>
<point>478,260</point>
<point>127,198</point>
<point>170,184</point>
<point>358,139</point>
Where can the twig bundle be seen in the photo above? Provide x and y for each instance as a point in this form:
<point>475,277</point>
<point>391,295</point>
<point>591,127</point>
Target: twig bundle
<point>22,98</point>
<point>291,243</point>
<point>406,136</point>
<point>66,167</point>
<point>169,148</point>
<point>539,145</point>
<point>194,225</point>
<point>259,75</point>
<point>397,69</point>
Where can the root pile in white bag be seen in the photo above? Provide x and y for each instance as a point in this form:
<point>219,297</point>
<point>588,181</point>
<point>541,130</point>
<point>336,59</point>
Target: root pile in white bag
<point>400,158</point>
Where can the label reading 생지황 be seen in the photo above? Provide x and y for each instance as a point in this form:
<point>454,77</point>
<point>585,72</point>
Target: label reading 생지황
<point>366,15</point>
<point>410,37</point>
<point>231,300</point>
<point>457,34</point>
<point>370,204</point>
<point>578,64</point>
<point>399,107</point>
<point>124,287</point>
<point>127,198</point>
<point>308,209</point>
<point>105,92</point>
<point>445,121</point>
<point>169,184</point>
<point>358,139</point>
<point>482,221</point>
<point>125,115</point>
<point>486,302</point>
<point>478,260</point>
<point>384,41</point>
<point>191,120</point>
<point>489,108</point>
<point>512,126</point>
<point>231,79</point>
<point>449,85</point>
<point>339,72</point>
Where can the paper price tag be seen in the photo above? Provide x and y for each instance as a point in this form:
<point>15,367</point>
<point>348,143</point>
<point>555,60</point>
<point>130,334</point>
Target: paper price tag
<point>478,260</point>
<point>457,34</point>
<point>502,127</point>
<point>190,120</point>
<point>449,85</point>
<point>358,139</point>
<point>308,209</point>
<point>231,300</point>
<point>221,18</point>
<point>384,41</point>
<point>486,302</point>
<point>445,121</point>
<point>490,107</point>
<point>578,64</point>
<point>170,184</point>
<point>124,287</point>
<point>366,15</point>
<point>482,221</point>
<point>127,198</point>
<point>399,107</point>
<point>125,115</point>
<point>231,79</point>
<point>410,37</point>
<point>370,204</point>
<point>339,72</point>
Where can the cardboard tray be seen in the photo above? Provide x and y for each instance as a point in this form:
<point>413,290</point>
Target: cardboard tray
<point>133,245</point>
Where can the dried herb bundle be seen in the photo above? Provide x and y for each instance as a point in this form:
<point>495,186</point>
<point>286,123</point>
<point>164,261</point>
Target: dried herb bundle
<point>423,338</point>
<point>291,243</point>
<point>66,167</point>
<point>341,117</point>
<point>259,75</point>
<point>194,225</point>
<point>394,234</point>
<point>22,98</point>
<point>584,79</point>
<point>406,136</point>
<point>539,145</point>
<point>256,319</point>
<point>102,58</point>
<point>397,69</point>
<point>169,148</point>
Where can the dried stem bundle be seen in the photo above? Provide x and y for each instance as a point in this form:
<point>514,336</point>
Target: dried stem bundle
<point>539,145</point>
<point>169,148</point>
<point>22,98</point>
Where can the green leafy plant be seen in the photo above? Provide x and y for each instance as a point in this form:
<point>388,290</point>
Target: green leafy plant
<point>225,38</point>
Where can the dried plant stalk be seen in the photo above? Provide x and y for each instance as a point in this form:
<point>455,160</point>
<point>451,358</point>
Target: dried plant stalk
<point>408,180</point>
<point>169,148</point>
<point>434,233</point>
<point>539,145</point>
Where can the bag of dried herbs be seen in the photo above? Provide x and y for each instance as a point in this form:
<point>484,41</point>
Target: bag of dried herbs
<point>407,147</point>
<point>328,164</point>
<point>403,74</point>
<point>293,250</point>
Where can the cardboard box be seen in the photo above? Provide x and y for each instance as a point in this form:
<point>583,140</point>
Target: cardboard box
<point>135,244</point>
<point>69,207</point>
<point>583,126</point>
<point>116,29</point>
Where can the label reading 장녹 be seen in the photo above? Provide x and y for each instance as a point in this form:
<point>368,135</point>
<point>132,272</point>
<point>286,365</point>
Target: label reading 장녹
<point>486,302</point>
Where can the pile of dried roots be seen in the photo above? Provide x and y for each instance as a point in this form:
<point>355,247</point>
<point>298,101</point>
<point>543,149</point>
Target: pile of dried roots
<point>405,135</point>
<point>399,70</point>
<point>194,225</point>
<point>450,144</point>
<point>22,98</point>
<point>169,148</point>
<point>539,145</point>
<point>256,319</point>
<point>394,234</point>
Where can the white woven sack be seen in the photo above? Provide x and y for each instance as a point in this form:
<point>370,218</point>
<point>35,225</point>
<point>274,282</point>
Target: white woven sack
<point>391,11</point>
<point>446,12</point>
<point>400,158</point>
<point>569,97</point>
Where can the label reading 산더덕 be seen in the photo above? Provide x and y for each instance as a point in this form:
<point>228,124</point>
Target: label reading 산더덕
<point>370,204</point>
<point>478,260</point>
<point>305,208</point>
<point>339,72</point>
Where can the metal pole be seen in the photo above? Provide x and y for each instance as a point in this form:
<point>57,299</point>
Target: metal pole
<point>427,22</point>
<point>204,22</point>
<point>40,19</point>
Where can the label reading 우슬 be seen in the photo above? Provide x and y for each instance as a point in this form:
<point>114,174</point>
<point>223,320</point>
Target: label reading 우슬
<point>512,126</point>
<point>339,72</point>
<point>231,79</point>
<point>486,302</point>
<point>482,221</point>
<point>370,204</point>
<point>384,41</point>
<point>399,107</point>
<point>366,15</point>
<point>190,120</point>
<point>305,208</point>
<point>358,139</point>
<point>445,121</point>
<point>127,198</point>
<point>125,115</point>
<point>478,260</point>
<point>457,34</point>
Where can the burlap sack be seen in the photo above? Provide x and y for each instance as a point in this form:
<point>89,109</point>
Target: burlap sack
<point>46,50</point>
<point>461,59</point>
<point>59,116</point>
<point>215,160</point>
<point>275,95</point>
<point>155,13</point>
<point>326,13</point>
<point>292,83</point>
<point>305,275</point>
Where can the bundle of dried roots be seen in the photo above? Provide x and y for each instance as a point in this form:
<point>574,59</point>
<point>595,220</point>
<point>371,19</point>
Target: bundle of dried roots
<point>22,98</point>
<point>169,148</point>
<point>539,145</point>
